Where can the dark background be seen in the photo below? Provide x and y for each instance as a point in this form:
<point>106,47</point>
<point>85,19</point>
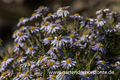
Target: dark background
<point>12,10</point>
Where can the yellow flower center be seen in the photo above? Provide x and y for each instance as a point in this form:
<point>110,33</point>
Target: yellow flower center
<point>21,19</point>
<point>58,20</point>
<point>21,53</point>
<point>22,27</point>
<point>26,75</point>
<point>63,8</point>
<point>16,44</point>
<point>87,75</point>
<point>40,79</point>
<point>41,7</point>
<point>87,19</point>
<point>3,74</point>
<point>49,38</point>
<point>40,58</point>
<point>38,75</point>
<point>91,39</point>
<point>31,48</point>
<point>49,14</point>
<point>56,51</point>
<point>19,58</point>
<point>5,59</point>
<point>34,14</point>
<point>32,28</point>
<point>48,58</point>
<point>59,38</point>
<point>103,62</point>
<point>72,36</point>
<point>18,73</point>
<point>99,20</point>
<point>53,26</point>
<point>112,26</point>
<point>46,24</point>
<point>85,33</point>
<point>100,45</point>
<point>51,47</point>
<point>20,34</point>
<point>15,31</point>
<point>76,14</point>
<point>53,76</point>
<point>51,63</point>
<point>68,61</point>
<point>76,42</point>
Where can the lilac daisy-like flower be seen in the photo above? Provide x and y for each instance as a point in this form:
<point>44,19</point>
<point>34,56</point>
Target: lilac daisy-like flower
<point>76,16</point>
<point>6,61</point>
<point>45,26</point>
<point>114,14</point>
<point>63,11</point>
<point>99,47</point>
<point>50,15</point>
<point>53,65</point>
<point>22,21</point>
<point>76,44</point>
<point>73,38</point>
<point>21,36</point>
<point>52,51</point>
<point>26,76</point>
<point>2,68</point>
<point>31,50</point>
<point>21,59</point>
<point>15,33</point>
<point>52,77</point>
<point>103,64</point>
<point>34,29</point>
<point>68,63</point>
<point>41,59</point>
<point>42,9</point>
<point>17,45</point>
<point>53,27</point>
<point>84,37</point>
<point>35,15</point>
<point>100,22</point>
<point>86,76</point>
<point>23,28</point>
<point>111,29</point>
<point>63,76</point>
<point>59,41</point>
<point>47,40</point>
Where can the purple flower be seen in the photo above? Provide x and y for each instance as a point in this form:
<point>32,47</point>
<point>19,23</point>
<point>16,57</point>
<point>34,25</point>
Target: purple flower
<point>22,21</point>
<point>68,63</point>
<point>21,36</point>
<point>35,15</point>
<point>31,50</point>
<point>103,64</point>
<point>50,15</point>
<point>99,47</point>
<point>42,9</point>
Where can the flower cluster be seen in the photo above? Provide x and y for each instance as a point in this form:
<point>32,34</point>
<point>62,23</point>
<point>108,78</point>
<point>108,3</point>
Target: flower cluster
<point>50,45</point>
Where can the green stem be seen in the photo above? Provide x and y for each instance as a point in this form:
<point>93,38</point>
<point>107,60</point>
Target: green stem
<point>75,27</point>
<point>92,60</point>
<point>44,73</point>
